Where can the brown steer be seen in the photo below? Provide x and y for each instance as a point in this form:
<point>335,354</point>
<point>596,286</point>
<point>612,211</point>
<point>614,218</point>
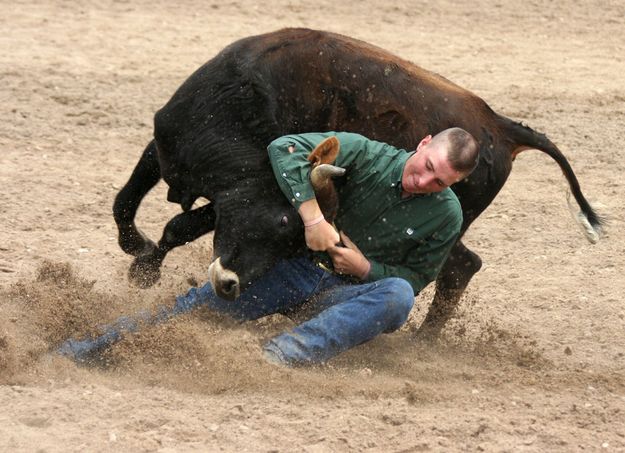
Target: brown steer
<point>210,139</point>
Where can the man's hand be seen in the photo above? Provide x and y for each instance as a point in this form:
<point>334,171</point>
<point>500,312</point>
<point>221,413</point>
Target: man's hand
<point>321,236</point>
<point>349,260</point>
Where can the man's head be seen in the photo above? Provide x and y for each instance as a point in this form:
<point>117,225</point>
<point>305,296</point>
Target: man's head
<point>440,161</point>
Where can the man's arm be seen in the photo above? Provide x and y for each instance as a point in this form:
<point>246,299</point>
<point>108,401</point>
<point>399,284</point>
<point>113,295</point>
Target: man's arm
<point>288,157</point>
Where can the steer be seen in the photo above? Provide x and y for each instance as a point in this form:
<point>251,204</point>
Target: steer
<point>210,141</point>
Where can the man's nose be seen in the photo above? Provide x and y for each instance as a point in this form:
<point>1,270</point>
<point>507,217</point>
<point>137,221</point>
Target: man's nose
<point>426,181</point>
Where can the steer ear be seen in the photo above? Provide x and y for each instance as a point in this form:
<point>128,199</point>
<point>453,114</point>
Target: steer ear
<point>325,152</point>
<point>321,158</point>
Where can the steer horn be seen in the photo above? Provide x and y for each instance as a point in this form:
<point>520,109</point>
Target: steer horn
<point>322,175</point>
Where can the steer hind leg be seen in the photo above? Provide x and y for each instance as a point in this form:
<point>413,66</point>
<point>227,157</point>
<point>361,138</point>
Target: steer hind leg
<point>145,176</point>
<point>453,279</point>
<point>184,228</point>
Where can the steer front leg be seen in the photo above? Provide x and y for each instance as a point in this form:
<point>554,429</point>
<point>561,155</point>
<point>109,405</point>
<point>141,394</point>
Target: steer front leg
<point>145,176</point>
<point>182,229</point>
<point>453,279</point>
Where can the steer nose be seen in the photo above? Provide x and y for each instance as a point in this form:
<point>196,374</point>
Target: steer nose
<point>228,288</point>
<point>224,281</point>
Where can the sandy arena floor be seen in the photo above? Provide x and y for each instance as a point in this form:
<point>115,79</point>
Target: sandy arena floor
<point>535,360</point>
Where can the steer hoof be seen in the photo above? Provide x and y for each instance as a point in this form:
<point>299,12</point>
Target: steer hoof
<point>144,272</point>
<point>135,243</point>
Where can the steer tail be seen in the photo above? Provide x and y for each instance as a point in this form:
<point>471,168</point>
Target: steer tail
<point>526,138</point>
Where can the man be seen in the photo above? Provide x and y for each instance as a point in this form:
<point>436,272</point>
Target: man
<point>398,220</point>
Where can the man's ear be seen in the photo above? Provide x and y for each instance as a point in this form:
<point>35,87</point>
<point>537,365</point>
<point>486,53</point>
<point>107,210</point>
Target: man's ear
<point>424,141</point>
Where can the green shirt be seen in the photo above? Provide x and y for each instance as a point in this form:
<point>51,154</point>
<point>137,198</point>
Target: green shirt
<point>407,237</point>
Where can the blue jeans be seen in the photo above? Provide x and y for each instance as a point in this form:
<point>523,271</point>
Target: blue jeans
<point>341,314</point>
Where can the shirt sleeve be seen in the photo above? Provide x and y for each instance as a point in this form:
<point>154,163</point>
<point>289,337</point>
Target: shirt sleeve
<point>292,169</point>
<point>426,260</point>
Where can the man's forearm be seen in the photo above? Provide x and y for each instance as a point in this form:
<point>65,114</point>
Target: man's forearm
<point>310,211</point>
<point>320,235</point>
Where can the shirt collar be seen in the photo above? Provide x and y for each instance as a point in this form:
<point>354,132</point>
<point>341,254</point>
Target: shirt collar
<point>399,167</point>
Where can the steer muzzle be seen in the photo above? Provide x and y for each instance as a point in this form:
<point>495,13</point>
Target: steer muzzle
<point>224,281</point>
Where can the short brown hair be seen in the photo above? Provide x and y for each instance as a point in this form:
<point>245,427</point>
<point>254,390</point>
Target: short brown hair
<point>463,151</point>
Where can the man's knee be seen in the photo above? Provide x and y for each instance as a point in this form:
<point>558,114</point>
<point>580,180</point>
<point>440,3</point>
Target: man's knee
<point>399,302</point>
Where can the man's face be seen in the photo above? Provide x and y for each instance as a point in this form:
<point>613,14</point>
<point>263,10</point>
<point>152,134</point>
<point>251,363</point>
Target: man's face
<point>428,170</point>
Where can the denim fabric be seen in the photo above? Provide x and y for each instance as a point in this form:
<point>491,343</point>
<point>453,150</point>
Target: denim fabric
<point>342,314</point>
<point>347,316</point>
<point>287,285</point>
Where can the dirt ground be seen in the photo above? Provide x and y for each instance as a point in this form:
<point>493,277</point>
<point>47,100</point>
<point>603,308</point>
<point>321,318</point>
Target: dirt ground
<point>534,361</point>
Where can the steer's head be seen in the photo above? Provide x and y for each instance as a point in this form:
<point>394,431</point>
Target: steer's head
<point>254,229</point>
<point>256,226</point>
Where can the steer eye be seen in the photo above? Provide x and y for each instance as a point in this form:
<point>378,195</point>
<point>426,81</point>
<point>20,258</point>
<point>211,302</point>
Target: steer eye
<point>284,221</point>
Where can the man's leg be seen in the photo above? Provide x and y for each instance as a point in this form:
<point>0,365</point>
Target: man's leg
<point>288,284</point>
<point>349,315</point>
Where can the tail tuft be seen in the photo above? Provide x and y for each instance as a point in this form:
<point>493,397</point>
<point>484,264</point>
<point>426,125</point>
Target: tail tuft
<point>592,228</point>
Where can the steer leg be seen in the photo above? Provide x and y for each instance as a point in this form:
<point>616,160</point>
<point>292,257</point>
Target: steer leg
<point>145,176</point>
<point>182,229</point>
<point>454,277</point>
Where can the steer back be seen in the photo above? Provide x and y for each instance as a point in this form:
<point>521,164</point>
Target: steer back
<point>324,81</point>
